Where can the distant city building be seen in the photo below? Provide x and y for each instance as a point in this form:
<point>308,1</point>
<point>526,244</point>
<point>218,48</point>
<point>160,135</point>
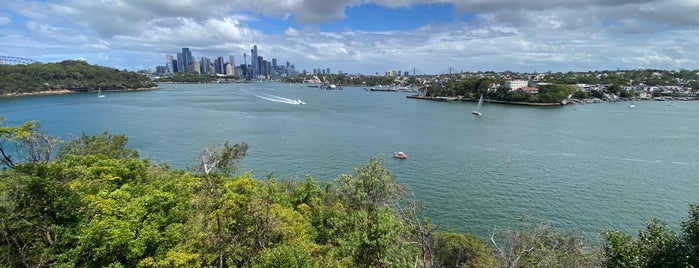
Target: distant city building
<point>230,69</point>
<point>161,70</point>
<point>186,60</point>
<point>196,67</point>
<point>169,63</point>
<point>255,61</point>
<point>180,61</point>
<point>219,65</point>
<point>259,68</point>
<point>205,65</point>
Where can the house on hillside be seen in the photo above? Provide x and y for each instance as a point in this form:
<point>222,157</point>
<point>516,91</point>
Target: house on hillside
<point>516,84</point>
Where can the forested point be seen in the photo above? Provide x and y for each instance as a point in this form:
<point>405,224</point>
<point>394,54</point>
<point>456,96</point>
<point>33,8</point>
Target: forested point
<point>71,75</point>
<point>93,202</point>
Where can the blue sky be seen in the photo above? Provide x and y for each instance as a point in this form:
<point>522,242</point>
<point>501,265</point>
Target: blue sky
<point>362,36</point>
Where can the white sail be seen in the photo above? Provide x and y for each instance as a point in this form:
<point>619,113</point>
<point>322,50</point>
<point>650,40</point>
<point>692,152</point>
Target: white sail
<point>477,110</point>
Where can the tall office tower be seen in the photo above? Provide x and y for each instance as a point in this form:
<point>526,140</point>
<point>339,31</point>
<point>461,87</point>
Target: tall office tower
<point>230,69</point>
<point>259,64</point>
<point>231,60</point>
<point>219,65</point>
<point>169,60</point>
<point>206,65</point>
<point>196,66</point>
<point>187,59</point>
<point>180,63</point>
<point>327,70</point>
<point>274,64</point>
<point>255,62</point>
<point>271,70</point>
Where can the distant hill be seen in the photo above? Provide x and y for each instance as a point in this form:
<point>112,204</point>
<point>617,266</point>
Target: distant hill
<point>67,75</point>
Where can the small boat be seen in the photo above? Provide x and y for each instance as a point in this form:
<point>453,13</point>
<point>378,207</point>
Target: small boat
<point>300,102</point>
<point>400,155</point>
<point>477,110</point>
<point>99,93</point>
<point>632,105</point>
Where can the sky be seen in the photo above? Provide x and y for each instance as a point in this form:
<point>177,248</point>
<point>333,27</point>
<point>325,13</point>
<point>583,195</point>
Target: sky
<point>362,36</point>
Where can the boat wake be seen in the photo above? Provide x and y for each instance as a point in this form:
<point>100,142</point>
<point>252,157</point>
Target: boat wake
<point>276,98</point>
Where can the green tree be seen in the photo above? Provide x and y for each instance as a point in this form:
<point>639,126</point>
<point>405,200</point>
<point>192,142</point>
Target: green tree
<point>368,193</point>
<point>112,146</point>
<point>38,217</point>
<point>540,245</point>
<point>223,159</point>
<point>31,143</point>
<point>462,250</point>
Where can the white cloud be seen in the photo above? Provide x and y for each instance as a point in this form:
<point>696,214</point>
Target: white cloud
<point>291,32</point>
<point>4,19</point>
<point>103,56</point>
<point>496,35</point>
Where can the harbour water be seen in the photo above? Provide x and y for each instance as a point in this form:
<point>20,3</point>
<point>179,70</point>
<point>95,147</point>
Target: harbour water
<point>584,167</point>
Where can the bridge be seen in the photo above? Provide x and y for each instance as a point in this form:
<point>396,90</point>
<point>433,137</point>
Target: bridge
<point>16,60</point>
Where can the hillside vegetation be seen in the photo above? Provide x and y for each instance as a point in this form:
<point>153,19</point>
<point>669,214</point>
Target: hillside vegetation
<point>92,202</point>
<point>67,75</point>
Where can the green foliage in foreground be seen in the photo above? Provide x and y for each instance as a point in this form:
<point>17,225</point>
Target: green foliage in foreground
<point>69,74</point>
<point>98,205</point>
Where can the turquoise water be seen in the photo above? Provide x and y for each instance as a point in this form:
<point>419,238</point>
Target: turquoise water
<point>587,167</point>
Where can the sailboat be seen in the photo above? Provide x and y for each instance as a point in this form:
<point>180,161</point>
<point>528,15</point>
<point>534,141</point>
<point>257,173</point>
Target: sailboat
<point>477,110</point>
<point>99,93</point>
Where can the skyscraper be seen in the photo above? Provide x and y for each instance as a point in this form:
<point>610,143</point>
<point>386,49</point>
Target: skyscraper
<point>219,65</point>
<point>206,65</point>
<point>180,62</point>
<point>255,62</point>
<point>260,67</point>
<point>169,62</point>
<point>187,59</point>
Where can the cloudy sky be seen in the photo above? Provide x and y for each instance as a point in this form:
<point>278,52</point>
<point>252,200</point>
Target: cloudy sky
<point>362,36</point>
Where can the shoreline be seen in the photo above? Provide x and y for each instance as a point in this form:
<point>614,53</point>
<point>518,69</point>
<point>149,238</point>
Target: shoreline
<point>68,91</point>
<point>449,99</point>
<point>563,103</point>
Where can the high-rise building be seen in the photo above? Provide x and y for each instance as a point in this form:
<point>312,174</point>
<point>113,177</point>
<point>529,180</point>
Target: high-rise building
<point>205,65</point>
<point>231,60</point>
<point>259,66</point>
<point>187,59</point>
<point>219,65</point>
<point>180,63</point>
<point>255,61</point>
<point>230,69</point>
<point>195,66</point>
<point>169,61</point>
<point>270,70</point>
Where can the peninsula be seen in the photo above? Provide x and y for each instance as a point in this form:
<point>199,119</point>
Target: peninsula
<point>67,77</point>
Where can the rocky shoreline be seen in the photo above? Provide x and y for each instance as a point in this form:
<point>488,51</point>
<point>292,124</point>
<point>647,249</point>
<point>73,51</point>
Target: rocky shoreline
<point>565,102</point>
<point>68,91</point>
<point>448,99</point>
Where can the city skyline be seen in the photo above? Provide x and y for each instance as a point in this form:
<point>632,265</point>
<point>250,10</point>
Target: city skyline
<point>363,37</point>
<point>260,68</point>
